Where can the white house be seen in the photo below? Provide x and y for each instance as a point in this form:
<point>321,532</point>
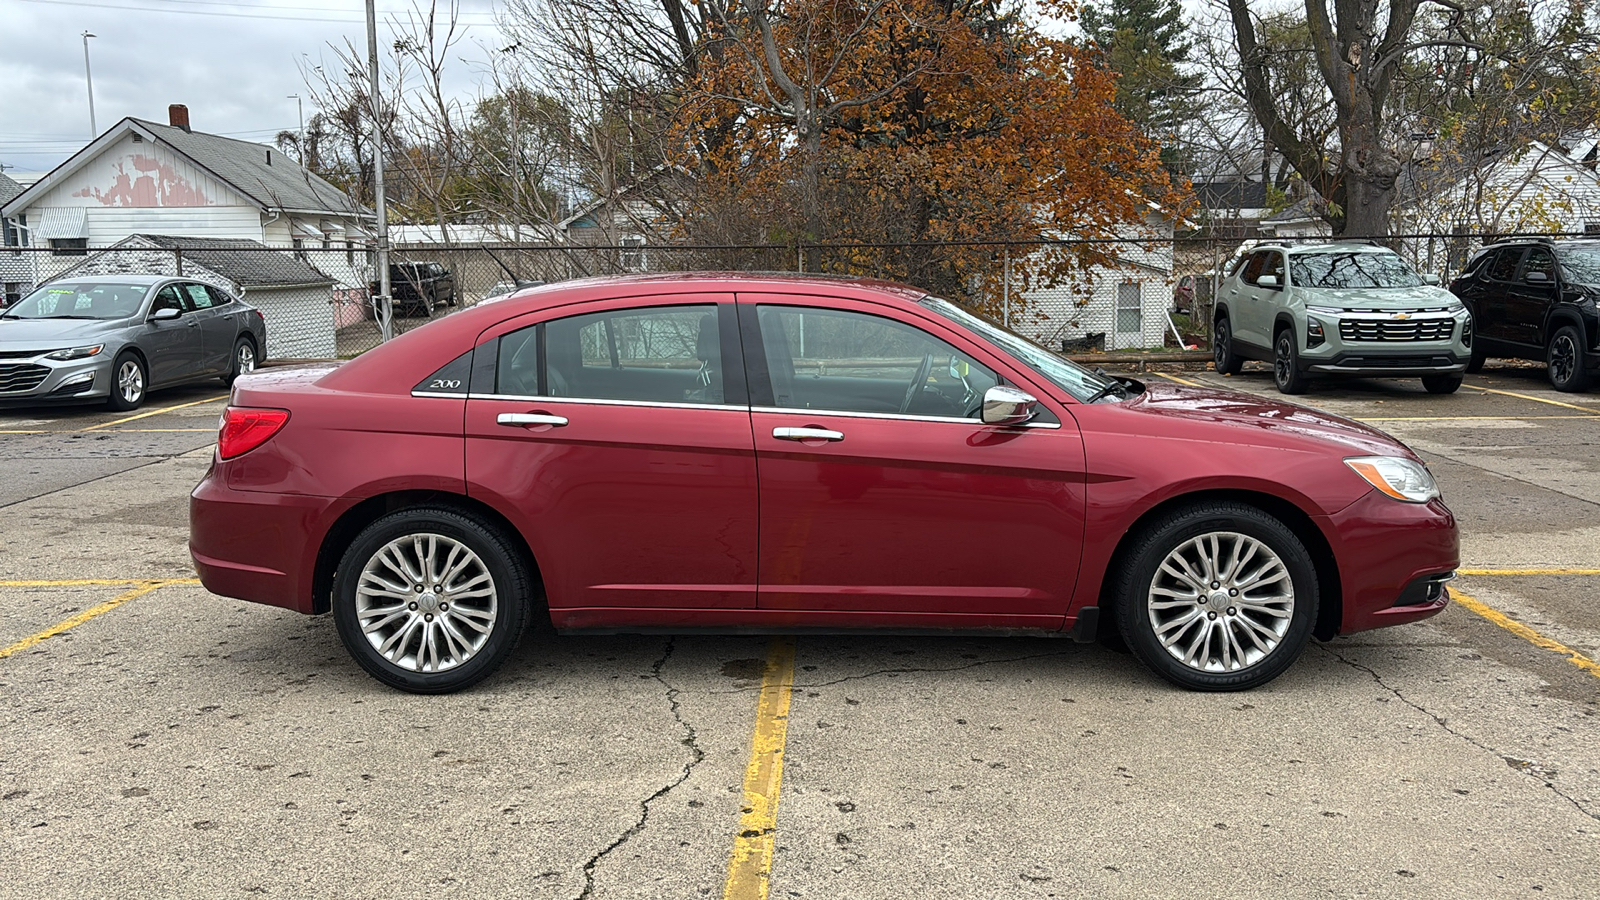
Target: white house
<point>142,177</point>
<point>16,274</point>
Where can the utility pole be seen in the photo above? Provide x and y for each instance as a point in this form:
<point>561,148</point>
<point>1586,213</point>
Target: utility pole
<point>381,304</point>
<point>87,77</point>
<point>300,140</point>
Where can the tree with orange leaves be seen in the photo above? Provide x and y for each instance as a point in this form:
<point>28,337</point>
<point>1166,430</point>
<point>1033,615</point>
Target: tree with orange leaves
<point>906,124</point>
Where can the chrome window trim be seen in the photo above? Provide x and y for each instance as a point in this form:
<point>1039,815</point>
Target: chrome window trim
<point>665,404</point>
<point>894,416</point>
<point>448,395</point>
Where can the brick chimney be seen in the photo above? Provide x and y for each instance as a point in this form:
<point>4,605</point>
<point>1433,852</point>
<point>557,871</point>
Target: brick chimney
<point>178,116</point>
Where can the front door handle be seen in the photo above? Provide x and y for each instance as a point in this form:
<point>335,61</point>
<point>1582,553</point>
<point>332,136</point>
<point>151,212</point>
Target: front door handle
<point>810,433</point>
<point>517,420</point>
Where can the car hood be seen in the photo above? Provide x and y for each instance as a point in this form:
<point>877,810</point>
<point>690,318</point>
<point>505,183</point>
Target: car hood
<point>1380,298</point>
<point>1249,419</point>
<point>53,334</point>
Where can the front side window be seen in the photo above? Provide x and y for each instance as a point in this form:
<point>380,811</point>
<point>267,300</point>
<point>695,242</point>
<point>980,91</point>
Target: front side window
<point>74,300</point>
<point>1273,265</point>
<point>1352,270</point>
<point>168,298</point>
<point>1540,260</point>
<point>1252,269</point>
<point>1059,371</point>
<point>854,362</point>
<point>667,354</point>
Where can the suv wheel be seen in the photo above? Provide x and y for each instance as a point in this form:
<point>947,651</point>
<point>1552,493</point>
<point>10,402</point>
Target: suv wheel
<point>1565,358</point>
<point>1227,361</point>
<point>1441,384</point>
<point>1286,365</point>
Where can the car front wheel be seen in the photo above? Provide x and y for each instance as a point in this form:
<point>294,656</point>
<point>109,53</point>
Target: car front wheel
<point>1217,597</point>
<point>1565,358</point>
<point>1286,365</point>
<point>1227,361</point>
<point>128,383</point>
<point>1441,384</point>
<point>430,600</point>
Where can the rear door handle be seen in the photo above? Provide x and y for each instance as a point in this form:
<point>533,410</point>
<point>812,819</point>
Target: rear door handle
<point>807,434</point>
<point>517,420</point>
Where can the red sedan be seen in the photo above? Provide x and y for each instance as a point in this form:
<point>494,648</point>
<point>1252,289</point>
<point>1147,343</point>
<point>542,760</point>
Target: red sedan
<point>798,454</point>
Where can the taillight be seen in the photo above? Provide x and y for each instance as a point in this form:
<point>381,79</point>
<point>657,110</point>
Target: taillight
<point>245,428</point>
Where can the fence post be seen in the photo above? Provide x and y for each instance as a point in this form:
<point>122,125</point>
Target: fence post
<point>177,259</point>
<point>1005,286</point>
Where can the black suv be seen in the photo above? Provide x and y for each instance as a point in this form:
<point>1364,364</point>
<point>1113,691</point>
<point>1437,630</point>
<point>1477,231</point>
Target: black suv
<point>1536,299</point>
<point>420,286</point>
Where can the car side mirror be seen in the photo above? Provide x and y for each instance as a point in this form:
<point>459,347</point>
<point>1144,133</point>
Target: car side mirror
<point>1267,281</point>
<point>1007,406</point>
<point>165,314</point>
<point>1431,280</point>
<point>1536,278</point>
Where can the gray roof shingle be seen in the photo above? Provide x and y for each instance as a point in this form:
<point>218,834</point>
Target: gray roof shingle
<point>284,184</point>
<point>248,263</point>
<point>8,188</point>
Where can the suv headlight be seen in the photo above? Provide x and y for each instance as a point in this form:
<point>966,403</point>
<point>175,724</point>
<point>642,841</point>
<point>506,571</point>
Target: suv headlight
<point>1325,310</point>
<point>1400,478</point>
<point>75,352</point>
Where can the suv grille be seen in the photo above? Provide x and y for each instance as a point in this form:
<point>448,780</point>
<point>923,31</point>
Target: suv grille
<point>1395,329</point>
<point>21,376</point>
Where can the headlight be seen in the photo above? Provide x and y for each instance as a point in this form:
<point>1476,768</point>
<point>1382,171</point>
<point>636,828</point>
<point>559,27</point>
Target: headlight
<point>76,352</point>
<point>1400,478</point>
<point>1325,310</point>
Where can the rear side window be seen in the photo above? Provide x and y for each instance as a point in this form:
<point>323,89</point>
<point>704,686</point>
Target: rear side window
<point>199,297</point>
<point>663,354</point>
<point>451,378</point>
<point>1504,266</point>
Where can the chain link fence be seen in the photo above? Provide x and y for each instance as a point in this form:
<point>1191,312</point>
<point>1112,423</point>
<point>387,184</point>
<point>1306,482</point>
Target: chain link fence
<point>1134,294</point>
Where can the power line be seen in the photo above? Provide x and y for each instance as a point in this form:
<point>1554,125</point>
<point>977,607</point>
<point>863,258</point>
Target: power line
<point>462,18</point>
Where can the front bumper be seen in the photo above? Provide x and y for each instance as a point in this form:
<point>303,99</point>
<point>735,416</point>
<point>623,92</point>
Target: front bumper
<point>1388,552</point>
<point>1386,344</point>
<point>38,381</point>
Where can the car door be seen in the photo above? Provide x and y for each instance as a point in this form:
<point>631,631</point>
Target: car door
<point>173,346</point>
<point>1529,298</point>
<point>618,438</point>
<point>1264,301</point>
<point>884,499</point>
<point>1499,322</point>
<point>1243,301</point>
<point>217,328</point>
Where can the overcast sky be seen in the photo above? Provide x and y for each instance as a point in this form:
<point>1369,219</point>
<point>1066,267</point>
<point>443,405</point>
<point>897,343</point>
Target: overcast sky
<point>232,63</point>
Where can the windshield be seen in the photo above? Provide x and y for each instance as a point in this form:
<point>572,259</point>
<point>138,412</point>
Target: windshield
<point>77,300</point>
<point>1065,374</point>
<point>1352,269</point>
<point>1581,265</point>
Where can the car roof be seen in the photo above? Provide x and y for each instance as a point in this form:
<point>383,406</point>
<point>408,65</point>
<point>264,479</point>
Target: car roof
<point>116,279</point>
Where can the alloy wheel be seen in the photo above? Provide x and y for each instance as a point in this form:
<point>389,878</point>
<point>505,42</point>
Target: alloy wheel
<point>1221,602</point>
<point>426,603</point>
<point>246,360</point>
<point>130,381</point>
<point>1563,358</point>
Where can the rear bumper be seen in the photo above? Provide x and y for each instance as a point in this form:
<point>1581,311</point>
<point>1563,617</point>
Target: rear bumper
<point>257,546</point>
<point>1385,547</point>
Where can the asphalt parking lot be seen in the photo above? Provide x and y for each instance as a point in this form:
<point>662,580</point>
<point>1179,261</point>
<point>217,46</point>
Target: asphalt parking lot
<point>159,741</point>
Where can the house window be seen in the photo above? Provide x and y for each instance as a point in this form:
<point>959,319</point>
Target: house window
<point>632,256</point>
<point>1130,308</point>
<point>1591,227</point>
<point>69,246</point>
<point>299,248</point>
<point>349,254</point>
<point>13,292</point>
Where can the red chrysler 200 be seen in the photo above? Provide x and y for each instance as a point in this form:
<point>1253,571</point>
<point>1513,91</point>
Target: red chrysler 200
<point>790,454</point>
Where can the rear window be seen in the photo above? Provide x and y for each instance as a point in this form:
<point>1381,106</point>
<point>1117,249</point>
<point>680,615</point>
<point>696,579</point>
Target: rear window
<point>1581,264</point>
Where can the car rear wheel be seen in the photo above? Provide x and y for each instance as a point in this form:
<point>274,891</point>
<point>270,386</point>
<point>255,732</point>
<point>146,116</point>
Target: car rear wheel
<point>1227,361</point>
<point>244,361</point>
<point>1286,365</point>
<point>128,383</point>
<point>1565,358</point>
<point>430,600</point>
<point>1441,384</point>
<point>1218,597</point>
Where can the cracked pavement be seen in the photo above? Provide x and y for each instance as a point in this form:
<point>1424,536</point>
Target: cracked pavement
<point>183,745</point>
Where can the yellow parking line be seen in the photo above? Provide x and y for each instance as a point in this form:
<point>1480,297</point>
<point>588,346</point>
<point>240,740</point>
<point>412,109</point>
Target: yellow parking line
<point>1526,633</point>
<point>1180,380</point>
<point>21,431</point>
<point>98,582</point>
<point>143,588</point>
<point>1528,571</point>
<point>1587,409</point>
<point>750,866</point>
<point>1468,418</point>
<point>154,412</point>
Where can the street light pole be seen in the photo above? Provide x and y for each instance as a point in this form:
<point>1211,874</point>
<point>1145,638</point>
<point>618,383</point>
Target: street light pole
<point>94,132</point>
<point>384,308</point>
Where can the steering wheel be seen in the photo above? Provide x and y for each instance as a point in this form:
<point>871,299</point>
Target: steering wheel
<point>917,381</point>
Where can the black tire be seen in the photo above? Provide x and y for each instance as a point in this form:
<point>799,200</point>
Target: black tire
<point>1282,628</point>
<point>130,382</point>
<point>1286,372</point>
<point>1566,360</point>
<point>1222,355</point>
<point>501,617</point>
<point>1475,360</point>
<point>244,360</point>
<point>1441,384</point>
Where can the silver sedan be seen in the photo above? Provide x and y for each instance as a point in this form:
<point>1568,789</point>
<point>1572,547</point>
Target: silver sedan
<point>113,338</point>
